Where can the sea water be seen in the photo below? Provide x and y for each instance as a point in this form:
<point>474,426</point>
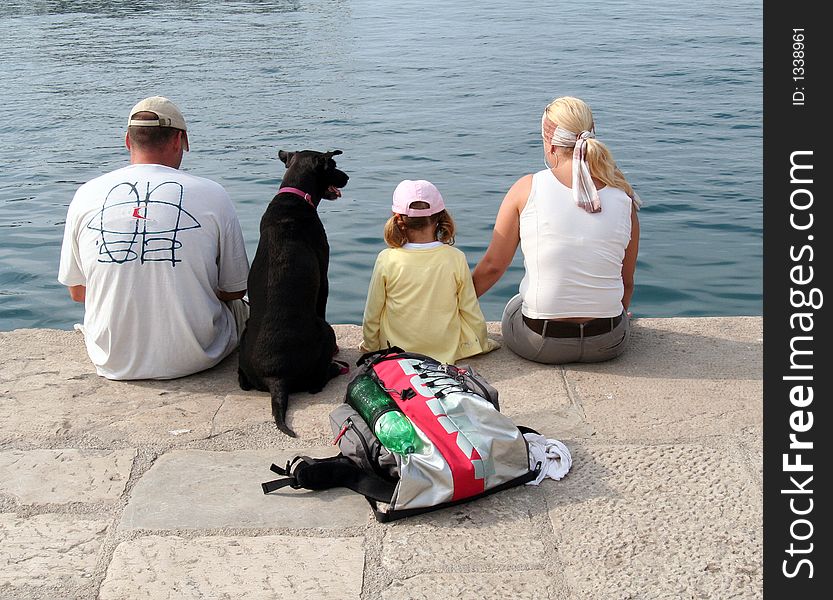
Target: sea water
<point>451,92</point>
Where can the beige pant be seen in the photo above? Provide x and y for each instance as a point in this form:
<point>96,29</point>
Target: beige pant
<point>240,310</point>
<point>556,351</point>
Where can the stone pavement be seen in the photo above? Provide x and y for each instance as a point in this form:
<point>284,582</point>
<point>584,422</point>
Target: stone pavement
<point>151,489</point>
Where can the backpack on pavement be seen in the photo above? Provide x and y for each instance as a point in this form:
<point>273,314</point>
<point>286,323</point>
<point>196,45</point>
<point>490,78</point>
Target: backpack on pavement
<point>467,448</point>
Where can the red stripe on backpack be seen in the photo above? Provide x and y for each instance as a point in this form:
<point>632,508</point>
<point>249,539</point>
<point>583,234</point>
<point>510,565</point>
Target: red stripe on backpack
<point>462,458</point>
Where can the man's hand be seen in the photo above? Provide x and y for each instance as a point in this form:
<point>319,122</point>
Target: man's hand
<point>227,296</point>
<point>78,292</point>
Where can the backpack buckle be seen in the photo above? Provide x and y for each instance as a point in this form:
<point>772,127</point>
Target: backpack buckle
<point>288,480</point>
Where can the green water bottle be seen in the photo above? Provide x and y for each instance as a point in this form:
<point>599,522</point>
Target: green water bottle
<point>392,428</point>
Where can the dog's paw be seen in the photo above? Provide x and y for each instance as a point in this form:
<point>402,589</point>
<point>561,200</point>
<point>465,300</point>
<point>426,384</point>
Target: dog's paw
<point>340,368</point>
<point>243,382</point>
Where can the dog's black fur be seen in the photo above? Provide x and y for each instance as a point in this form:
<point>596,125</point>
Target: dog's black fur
<point>287,345</point>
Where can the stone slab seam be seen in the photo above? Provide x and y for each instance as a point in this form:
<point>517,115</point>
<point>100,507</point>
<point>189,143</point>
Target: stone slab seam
<point>375,577</point>
<point>211,432</point>
<point>142,461</point>
<point>575,399</point>
<point>753,460</point>
<point>125,535</point>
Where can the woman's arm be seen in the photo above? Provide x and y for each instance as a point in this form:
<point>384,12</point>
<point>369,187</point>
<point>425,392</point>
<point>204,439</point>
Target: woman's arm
<point>629,262</point>
<point>505,238</point>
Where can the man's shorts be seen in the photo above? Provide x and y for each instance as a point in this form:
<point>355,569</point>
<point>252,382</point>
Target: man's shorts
<point>240,310</point>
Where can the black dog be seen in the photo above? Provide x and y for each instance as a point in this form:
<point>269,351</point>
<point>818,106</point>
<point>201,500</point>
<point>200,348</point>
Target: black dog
<point>287,345</point>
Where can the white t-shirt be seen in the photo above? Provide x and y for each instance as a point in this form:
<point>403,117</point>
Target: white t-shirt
<point>572,258</point>
<point>152,245</point>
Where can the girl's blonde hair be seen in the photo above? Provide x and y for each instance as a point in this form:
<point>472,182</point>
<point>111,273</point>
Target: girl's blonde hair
<point>574,114</point>
<point>396,228</point>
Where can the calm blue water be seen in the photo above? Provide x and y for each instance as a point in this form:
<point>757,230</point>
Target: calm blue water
<point>450,92</point>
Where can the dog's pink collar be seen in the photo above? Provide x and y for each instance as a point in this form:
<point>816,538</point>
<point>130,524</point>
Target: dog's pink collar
<point>297,192</point>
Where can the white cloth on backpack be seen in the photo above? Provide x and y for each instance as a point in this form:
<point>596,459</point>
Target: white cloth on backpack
<point>554,457</point>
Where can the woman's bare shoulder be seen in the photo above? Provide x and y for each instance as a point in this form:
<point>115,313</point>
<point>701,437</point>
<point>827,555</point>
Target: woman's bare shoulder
<point>524,183</point>
<point>519,192</point>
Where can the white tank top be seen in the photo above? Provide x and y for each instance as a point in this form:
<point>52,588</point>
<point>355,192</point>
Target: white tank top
<point>572,258</point>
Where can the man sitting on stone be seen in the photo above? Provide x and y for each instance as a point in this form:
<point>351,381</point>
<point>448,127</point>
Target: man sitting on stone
<point>157,257</point>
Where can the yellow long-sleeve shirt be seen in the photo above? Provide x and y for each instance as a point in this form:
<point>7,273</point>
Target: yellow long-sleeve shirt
<point>423,300</point>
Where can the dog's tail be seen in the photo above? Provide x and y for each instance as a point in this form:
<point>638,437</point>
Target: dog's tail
<point>279,388</point>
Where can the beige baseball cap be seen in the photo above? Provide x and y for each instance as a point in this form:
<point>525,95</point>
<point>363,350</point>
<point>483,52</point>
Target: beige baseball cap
<point>167,113</point>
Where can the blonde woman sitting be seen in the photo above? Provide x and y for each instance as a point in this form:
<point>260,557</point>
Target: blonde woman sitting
<point>576,222</point>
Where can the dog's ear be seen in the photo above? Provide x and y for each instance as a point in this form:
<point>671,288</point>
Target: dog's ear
<point>329,163</point>
<point>285,156</point>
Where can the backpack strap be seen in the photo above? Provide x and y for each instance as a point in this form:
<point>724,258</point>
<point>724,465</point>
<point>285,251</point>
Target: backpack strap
<point>325,473</point>
<point>378,355</point>
<point>524,429</point>
<point>289,480</point>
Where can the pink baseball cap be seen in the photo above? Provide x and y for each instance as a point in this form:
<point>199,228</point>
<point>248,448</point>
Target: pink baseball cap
<point>410,191</point>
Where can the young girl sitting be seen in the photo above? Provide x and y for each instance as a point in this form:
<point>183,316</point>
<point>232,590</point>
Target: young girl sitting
<point>421,295</point>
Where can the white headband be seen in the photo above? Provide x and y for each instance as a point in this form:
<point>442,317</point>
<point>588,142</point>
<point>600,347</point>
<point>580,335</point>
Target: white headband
<point>584,191</point>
